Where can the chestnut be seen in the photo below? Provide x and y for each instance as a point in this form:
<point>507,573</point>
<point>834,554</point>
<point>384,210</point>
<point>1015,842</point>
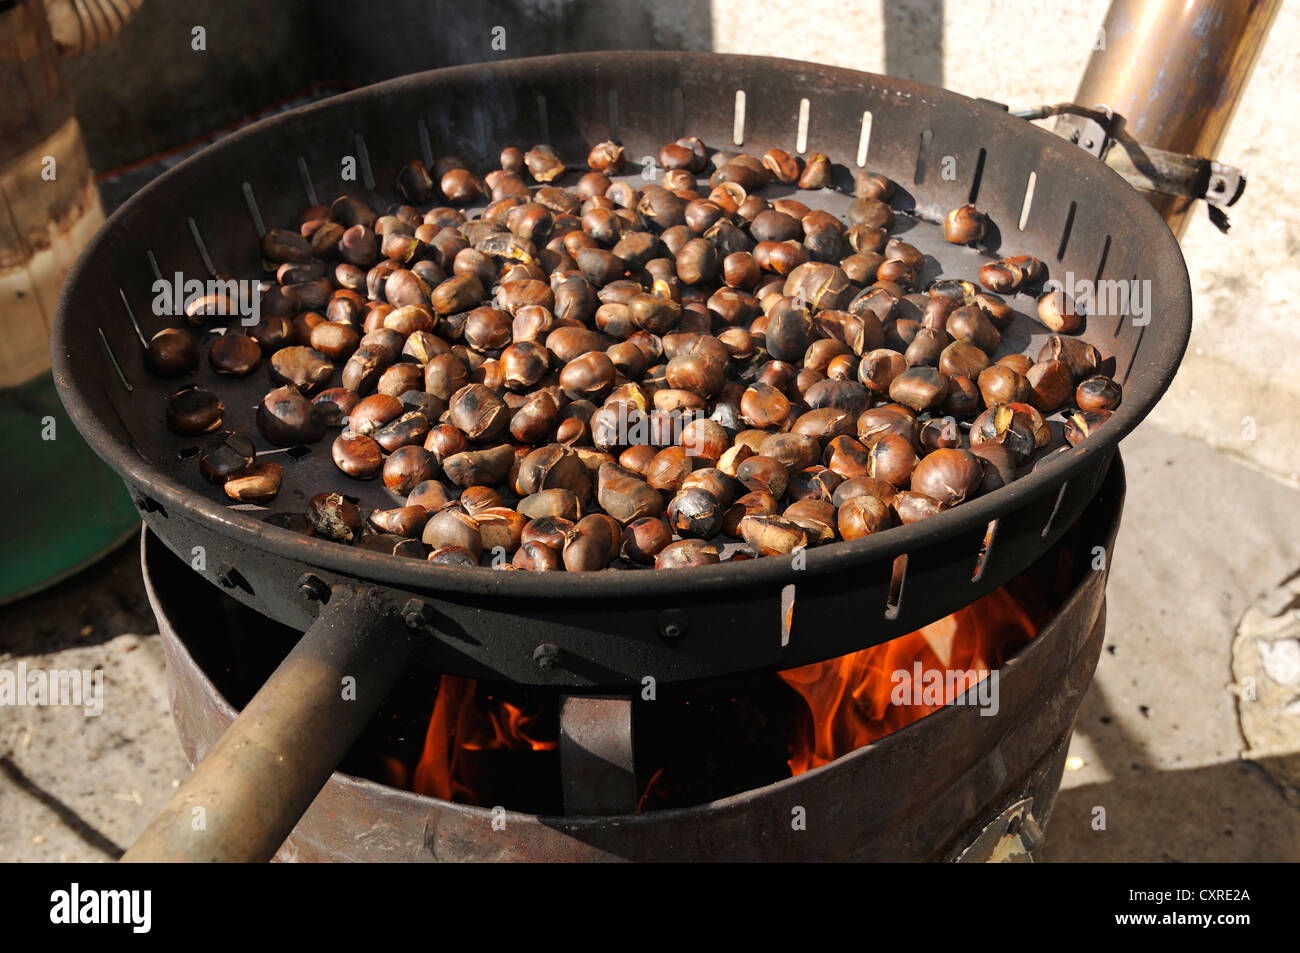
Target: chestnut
<point>920,388</point>
<point>407,467</point>
<point>452,526</point>
<point>861,516</point>
<point>816,173</point>
<point>302,367</point>
<point>172,353</point>
<point>537,557</point>
<point>783,166</point>
<point>624,496</point>
<point>911,507</point>
<point>258,484</point>
<point>686,553</point>
<point>1081,424</point>
<point>948,476</point>
<point>234,354</point>
<point>357,455</point>
<point>478,412</point>
<point>1058,312</point>
<point>1050,385</point>
<point>335,517</point>
<point>374,412</point>
<point>1097,393</point>
<point>407,521</point>
<point>773,535</point>
<point>999,384</point>
<point>965,225</point>
<point>479,467</point>
<point>287,418</point>
<point>695,514</point>
<point>557,502</point>
<point>224,455</point>
<point>643,539</point>
<point>891,458</point>
<point>414,182</point>
<point>192,411</point>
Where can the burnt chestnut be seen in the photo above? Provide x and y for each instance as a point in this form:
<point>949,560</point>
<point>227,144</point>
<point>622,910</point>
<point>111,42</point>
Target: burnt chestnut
<point>644,539</point>
<point>234,354</point>
<point>335,517</point>
<point>193,411</point>
<point>695,514</point>
<point>1098,393</point>
<point>226,454</point>
<point>920,388</point>
<point>172,353</point>
<point>1081,424</point>
<point>287,418</point>
<point>478,412</point>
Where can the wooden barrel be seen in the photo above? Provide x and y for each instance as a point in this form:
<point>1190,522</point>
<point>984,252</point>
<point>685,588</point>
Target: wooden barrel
<point>67,507</point>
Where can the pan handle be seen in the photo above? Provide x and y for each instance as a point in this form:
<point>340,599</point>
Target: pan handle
<point>245,797</point>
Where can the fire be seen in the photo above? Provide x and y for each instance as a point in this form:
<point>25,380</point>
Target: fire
<point>857,698</point>
<point>458,728</point>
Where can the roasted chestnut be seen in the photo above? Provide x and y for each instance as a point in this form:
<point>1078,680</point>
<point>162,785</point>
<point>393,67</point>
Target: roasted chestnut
<point>1097,393</point>
<point>965,225</point>
<point>192,411</point>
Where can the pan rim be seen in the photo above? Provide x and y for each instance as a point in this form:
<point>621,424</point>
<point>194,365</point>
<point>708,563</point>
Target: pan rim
<point>968,518</point>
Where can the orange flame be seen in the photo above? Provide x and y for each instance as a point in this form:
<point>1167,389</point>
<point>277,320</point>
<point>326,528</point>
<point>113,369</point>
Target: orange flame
<point>860,697</point>
<point>459,725</point>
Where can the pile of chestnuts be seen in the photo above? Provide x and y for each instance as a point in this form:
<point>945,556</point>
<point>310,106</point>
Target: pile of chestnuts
<point>593,370</point>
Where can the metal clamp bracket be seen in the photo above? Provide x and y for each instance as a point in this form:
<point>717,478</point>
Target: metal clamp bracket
<point>1097,129</point>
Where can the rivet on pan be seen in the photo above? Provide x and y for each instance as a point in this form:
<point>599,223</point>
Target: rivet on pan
<point>313,588</point>
<point>416,614</point>
<point>672,624</point>
<point>546,656</point>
